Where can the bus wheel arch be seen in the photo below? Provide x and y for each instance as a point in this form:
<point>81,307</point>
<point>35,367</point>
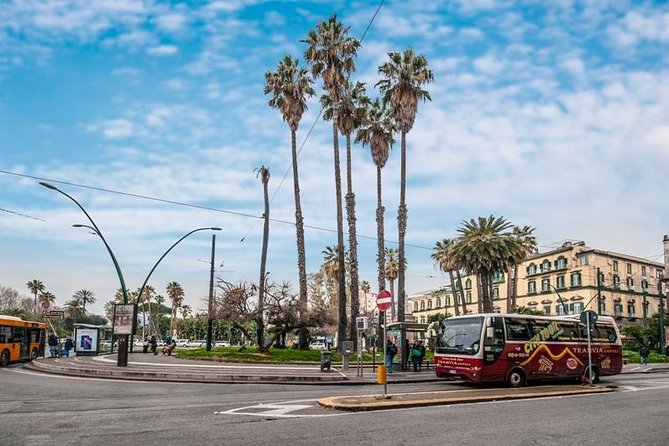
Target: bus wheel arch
<point>516,378</point>
<point>4,358</point>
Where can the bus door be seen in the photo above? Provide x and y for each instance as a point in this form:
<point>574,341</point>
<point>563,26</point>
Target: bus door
<point>21,338</point>
<point>494,363</point>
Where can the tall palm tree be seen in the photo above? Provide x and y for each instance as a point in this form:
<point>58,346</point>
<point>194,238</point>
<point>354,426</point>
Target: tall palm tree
<point>392,270</point>
<point>331,263</point>
<point>109,309</point>
<point>485,246</point>
<point>401,87</point>
<point>442,257</point>
<point>351,113</point>
<point>74,309</point>
<point>36,287</point>
<point>46,299</point>
<point>290,86</point>
<point>263,173</point>
<point>186,311</point>
<point>85,297</point>
<point>145,299</point>
<point>365,288</point>
<point>175,293</point>
<point>331,54</point>
<point>528,246</point>
<point>377,132</point>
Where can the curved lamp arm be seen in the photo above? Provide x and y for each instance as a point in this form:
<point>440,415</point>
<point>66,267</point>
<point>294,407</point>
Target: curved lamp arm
<point>97,230</point>
<point>141,290</point>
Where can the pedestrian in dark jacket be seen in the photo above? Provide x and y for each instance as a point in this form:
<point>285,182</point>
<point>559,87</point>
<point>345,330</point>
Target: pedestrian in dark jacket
<point>415,356</point>
<point>53,345</point>
<point>154,345</point>
<point>644,351</point>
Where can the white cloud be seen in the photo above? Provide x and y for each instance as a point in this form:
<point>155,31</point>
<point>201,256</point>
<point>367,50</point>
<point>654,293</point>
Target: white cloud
<point>171,22</point>
<point>162,50</point>
<point>114,128</point>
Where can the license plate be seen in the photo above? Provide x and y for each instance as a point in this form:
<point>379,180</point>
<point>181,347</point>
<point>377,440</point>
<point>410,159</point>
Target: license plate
<point>453,372</point>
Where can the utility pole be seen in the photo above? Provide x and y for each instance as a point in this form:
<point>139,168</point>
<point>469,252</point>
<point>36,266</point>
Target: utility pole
<point>210,319</point>
<point>664,280</point>
<point>599,292</point>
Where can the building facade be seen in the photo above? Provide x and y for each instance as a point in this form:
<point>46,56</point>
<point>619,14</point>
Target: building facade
<point>560,281</point>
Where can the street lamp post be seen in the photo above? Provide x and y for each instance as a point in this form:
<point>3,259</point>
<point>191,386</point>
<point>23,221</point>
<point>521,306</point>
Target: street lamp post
<point>123,341</point>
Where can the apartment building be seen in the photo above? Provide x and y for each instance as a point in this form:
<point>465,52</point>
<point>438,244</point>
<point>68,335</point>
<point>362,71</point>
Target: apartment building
<point>561,281</point>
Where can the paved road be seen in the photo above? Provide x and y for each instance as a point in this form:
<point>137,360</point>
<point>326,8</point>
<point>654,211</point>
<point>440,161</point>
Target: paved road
<point>44,409</point>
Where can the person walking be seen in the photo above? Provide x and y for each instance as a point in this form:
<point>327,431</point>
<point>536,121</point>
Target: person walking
<point>53,345</point>
<point>391,351</point>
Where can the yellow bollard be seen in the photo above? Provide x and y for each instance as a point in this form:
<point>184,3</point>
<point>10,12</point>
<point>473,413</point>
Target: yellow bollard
<point>382,375</point>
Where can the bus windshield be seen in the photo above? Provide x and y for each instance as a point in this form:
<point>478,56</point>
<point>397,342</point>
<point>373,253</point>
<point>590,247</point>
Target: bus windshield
<point>461,336</point>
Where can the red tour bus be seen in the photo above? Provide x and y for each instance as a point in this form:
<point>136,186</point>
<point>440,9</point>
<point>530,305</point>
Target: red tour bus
<point>20,339</point>
<point>515,348</point>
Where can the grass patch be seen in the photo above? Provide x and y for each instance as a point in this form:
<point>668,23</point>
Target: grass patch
<point>252,355</point>
<point>633,357</point>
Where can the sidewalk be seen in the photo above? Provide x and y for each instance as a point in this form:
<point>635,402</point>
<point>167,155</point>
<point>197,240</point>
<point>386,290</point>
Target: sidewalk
<point>168,368</point>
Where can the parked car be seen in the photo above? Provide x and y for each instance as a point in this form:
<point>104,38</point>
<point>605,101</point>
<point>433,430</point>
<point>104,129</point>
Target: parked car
<point>197,343</point>
<point>222,344</point>
<point>317,345</point>
<point>182,342</point>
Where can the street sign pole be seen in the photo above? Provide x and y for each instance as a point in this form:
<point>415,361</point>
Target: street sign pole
<point>385,364</point>
<point>589,349</point>
<point>384,301</point>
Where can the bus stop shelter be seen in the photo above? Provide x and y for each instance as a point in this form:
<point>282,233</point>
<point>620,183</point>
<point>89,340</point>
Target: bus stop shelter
<point>406,333</point>
<point>87,338</point>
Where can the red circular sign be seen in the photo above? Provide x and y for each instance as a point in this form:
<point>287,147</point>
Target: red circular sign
<point>384,300</point>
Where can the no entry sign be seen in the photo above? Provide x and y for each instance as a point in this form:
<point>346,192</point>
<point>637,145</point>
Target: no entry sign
<point>384,300</point>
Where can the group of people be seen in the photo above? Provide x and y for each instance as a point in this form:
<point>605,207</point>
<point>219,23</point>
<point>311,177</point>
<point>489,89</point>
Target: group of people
<point>152,343</point>
<point>414,353</point>
<point>57,348</point>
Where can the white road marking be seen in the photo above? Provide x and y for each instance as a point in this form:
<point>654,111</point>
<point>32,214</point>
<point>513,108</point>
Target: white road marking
<point>283,409</point>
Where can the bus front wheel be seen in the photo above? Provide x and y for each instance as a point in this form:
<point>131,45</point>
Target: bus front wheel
<point>4,358</point>
<point>33,354</point>
<point>516,378</point>
<point>595,376</point>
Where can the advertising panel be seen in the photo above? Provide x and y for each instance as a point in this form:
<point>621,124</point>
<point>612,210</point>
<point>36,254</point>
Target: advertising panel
<point>87,340</point>
<point>124,319</point>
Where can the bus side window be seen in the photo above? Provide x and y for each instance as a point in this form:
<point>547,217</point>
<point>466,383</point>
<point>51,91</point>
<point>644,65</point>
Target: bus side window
<point>516,330</point>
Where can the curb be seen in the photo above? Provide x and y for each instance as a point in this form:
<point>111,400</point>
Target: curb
<point>376,402</point>
<point>190,377</point>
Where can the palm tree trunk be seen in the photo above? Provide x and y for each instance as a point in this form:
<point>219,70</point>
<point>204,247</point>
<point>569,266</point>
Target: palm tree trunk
<point>341,271</point>
<point>454,291</point>
<point>301,256</point>
<point>381,251</point>
<point>479,292</point>
<point>352,243</point>
<point>380,242</point>
<point>402,229</point>
<point>263,265</point>
<point>509,294</point>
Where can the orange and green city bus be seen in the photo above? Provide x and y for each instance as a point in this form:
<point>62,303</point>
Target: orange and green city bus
<point>20,340</point>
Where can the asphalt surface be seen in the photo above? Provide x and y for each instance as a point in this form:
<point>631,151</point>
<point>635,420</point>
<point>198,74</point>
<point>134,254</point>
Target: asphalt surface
<point>148,367</point>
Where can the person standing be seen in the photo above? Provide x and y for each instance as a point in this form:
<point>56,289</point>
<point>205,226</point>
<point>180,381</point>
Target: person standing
<point>154,345</point>
<point>421,357</point>
<point>69,345</point>
<point>415,356</point>
<point>391,351</point>
<point>53,345</point>
<point>644,351</point>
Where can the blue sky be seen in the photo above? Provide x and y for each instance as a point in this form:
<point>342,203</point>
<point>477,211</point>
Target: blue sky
<point>552,114</point>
